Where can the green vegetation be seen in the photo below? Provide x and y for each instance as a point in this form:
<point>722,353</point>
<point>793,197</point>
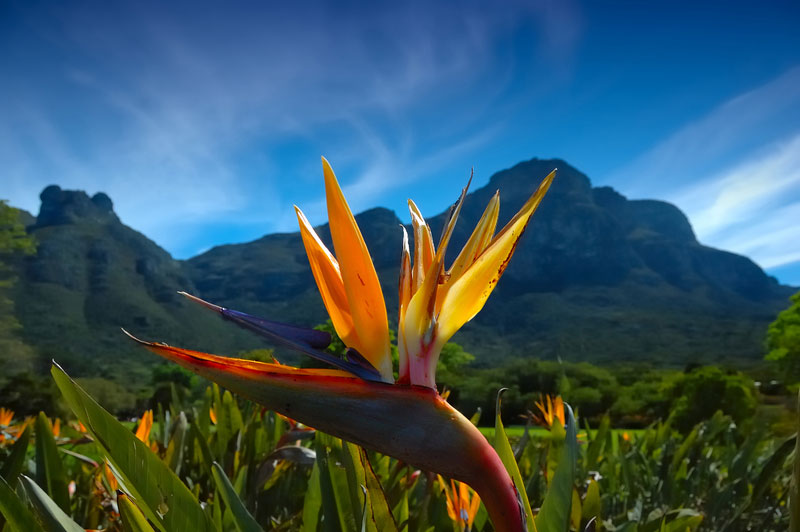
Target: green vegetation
<point>783,341</point>
<point>15,355</point>
<point>664,444</point>
<point>217,463</point>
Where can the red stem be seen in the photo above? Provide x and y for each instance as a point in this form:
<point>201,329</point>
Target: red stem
<point>497,491</point>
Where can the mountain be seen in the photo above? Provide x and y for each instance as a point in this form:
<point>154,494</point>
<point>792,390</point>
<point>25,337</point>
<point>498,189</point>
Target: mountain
<point>90,276</point>
<point>596,277</point>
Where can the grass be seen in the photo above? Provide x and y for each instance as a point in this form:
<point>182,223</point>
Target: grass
<point>516,431</point>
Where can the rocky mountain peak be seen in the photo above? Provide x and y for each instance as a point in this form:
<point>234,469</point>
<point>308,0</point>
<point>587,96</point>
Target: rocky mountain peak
<point>61,207</point>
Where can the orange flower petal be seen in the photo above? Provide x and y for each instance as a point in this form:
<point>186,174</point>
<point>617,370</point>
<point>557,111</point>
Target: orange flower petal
<point>361,283</point>
<point>329,281</point>
<point>423,246</point>
<point>480,238</point>
<point>467,295</point>
<point>145,425</point>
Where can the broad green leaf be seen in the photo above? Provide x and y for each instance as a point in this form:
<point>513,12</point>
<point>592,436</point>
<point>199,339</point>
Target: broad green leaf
<point>400,511</point>
<point>506,455</point>
<point>554,514</point>
<point>591,502</point>
<point>683,520</point>
<point>359,497</point>
<point>13,465</point>
<point>576,511</point>
<point>684,449</point>
<point>49,468</point>
<point>133,520</point>
<point>312,503</point>
<point>202,443</point>
<point>229,421</point>
<point>350,460</point>
<point>162,497</point>
<point>50,515</point>
<point>332,519</point>
<point>378,507</point>
<point>15,511</point>
<point>595,446</point>
<point>241,517</point>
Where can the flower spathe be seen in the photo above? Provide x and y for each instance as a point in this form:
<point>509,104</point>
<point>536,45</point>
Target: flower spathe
<point>359,400</point>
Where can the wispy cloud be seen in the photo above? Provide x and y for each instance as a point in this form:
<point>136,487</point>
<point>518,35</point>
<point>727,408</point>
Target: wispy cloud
<point>183,125</point>
<point>753,207</point>
<point>735,172</point>
<point>727,134</point>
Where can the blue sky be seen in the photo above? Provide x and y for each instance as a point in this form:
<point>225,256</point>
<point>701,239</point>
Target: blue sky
<point>205,123</point>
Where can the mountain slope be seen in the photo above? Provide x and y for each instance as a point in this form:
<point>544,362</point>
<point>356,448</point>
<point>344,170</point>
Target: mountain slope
<point>596,277</point>
<point>92,275</point>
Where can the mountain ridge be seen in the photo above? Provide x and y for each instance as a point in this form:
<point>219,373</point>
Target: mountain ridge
<point>596,277</point>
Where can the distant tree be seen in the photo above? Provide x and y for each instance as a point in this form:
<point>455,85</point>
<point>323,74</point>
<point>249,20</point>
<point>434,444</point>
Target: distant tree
<point>697,395</point>
<point>783,341</point>
<point>13,237</point>
<point>453,358</point>
<point>15,242</point>
<point>111,395</point>
<point>27,393</point>
<point>259,355</point>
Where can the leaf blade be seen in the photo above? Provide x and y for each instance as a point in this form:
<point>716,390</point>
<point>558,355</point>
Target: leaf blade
<point>243,520</point>
<point>164,499</point>
<point>506,454</point>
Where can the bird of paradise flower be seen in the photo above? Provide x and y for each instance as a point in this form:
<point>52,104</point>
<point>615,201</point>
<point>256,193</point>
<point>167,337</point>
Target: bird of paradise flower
<point>360,401</point>
<point>462,503</point>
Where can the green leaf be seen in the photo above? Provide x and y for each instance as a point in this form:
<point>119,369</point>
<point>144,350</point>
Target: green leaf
<point>591,502</point>
<point>332,519</point>
<point>595,446</point>
<point>229,421</point>
<point>576,511</point>
<point>49,468</point>
<point>377,506</point>
<point>312,504</point>
<point>241,517</point>
<point>13,465</point>
<point>506,455</point>
<point>16,512</point>
<point>133,520</point>
<point>202,443</point>
<point>476,417</point>
<point>400,511</point>
<point>683,520</point>
<point>48,512</point>
<point>163,498</point>
<point>354,472</point>
<point>174,454</point>
<point>765,477</point>
<point>555,512</point>
<point>353,495</point>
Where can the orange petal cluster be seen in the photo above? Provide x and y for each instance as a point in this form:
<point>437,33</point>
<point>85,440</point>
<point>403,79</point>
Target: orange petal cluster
<point>462,503</point>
